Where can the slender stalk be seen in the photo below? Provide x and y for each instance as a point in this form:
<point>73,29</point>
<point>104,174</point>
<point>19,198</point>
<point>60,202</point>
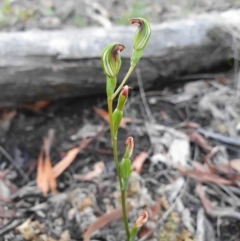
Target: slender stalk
<point>113,139</point>
<point>124,210</point>
<point>131,68</point>
<point>115,157</point>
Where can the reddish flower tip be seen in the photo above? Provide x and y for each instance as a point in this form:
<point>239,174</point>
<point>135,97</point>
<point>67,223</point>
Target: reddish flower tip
<point>129,145</point>
<point>129,141</point>
<point>136,21</point>
<point>142,219</point>
<point>125,91</point>
<point>118,48</point>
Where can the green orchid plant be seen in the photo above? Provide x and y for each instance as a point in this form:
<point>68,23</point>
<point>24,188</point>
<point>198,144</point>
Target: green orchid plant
<point>111,63</point>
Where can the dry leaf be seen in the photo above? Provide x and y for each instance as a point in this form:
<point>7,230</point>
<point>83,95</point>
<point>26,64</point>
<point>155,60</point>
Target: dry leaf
<point>199,140</point>
<point>41,180</point>
<point>30,230</point>
<point>48,141</point>
<point>191,125</point>
<point>104,114</point>
<point>144,230</point>
<point>65,236</point>
<point>98,168</point>
<point>8,115</point>
<point>205,201</point>
<point>45,178</point>
<point>207,158</point>
<point>25,224</point>
<point>205,176</point>
<point>200,167</point>
<point>48,165</point>
<point>138,161</point>
<point>6,118</point>
<point>103,221</point>
<point>49,172</point>
<point>125,121</point>
<point>227,170</point>
<point>235,164</point>
<point>61,166</point>
<point>36,106</point>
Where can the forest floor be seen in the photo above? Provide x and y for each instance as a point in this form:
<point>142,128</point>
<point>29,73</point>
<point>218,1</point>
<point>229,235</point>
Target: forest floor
<point>186,166</point>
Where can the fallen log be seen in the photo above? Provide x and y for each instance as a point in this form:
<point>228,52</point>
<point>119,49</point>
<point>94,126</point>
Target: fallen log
<point>49,65</point>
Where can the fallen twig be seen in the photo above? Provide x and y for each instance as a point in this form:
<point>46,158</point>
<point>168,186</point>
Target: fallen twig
<point>214,211</point>
<point>15,164</point>
<point>220,138</point>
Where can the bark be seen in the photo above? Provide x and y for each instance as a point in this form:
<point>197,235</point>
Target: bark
<point>55,64</point>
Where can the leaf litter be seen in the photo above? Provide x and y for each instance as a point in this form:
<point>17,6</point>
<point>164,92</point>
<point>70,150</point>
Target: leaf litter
<point>186,170</point>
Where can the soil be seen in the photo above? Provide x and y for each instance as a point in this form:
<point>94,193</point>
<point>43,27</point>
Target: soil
<point>78,203</point>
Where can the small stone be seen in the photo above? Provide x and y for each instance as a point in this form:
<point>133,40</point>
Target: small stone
<point>195,88</point>
<point>59,221</point>
<point>71,214</point>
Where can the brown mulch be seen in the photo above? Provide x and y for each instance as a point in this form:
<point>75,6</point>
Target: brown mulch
<point>186,166</point>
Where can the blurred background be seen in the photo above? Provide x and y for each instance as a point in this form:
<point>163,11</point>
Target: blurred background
<point>21,15</point>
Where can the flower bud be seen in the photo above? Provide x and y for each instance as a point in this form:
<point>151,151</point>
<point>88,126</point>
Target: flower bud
<point>125,91</point>
<point>118,112</point>
<point>117,117</point>
<point>142,34</point>
<point>129,145</point>
<point>142,219</point>
<point>123,97</point>
<point>141,38</point>
<point>111,60</point>
<point>125,168</point>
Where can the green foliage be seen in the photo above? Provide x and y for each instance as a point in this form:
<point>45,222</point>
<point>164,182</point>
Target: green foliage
<point>79,21</point>
<point>4,11</point>
<point>6,7</point>
<point>10,15</point>
<point>48,12</point>
<point>137,8</point>
<point>230,60</point>
<point>23,14</point>
<point>3,19</point>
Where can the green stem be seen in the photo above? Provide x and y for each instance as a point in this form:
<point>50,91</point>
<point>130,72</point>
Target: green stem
<point>124,210</point>
<point>123,82</point>
<point>115,157</point>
